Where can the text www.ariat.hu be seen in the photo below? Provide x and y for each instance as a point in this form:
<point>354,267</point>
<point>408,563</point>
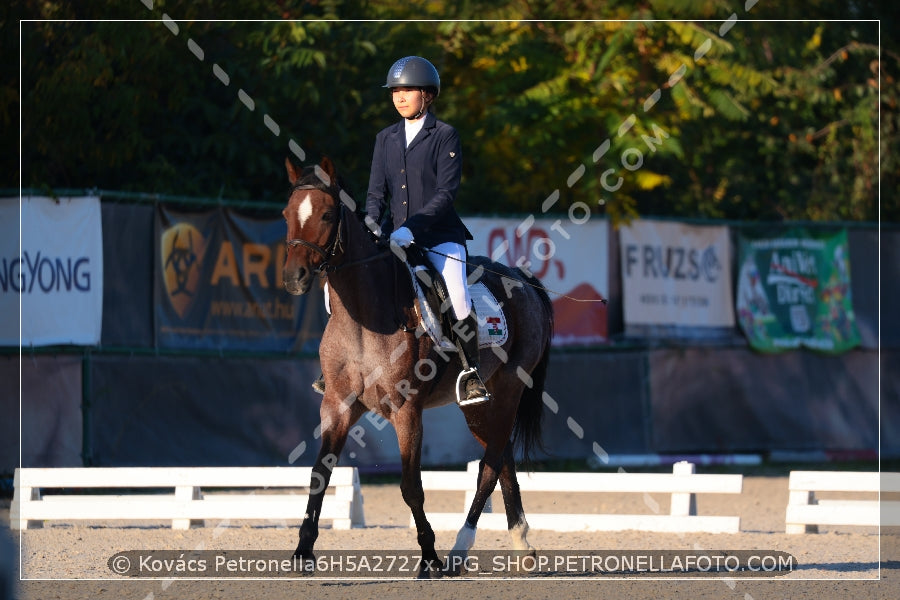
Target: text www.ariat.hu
<point>269,310</point>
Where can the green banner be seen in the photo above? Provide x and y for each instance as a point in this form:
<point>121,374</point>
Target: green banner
<point>794,291</point>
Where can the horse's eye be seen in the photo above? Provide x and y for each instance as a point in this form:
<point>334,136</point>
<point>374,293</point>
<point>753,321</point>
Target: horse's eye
<point>328,217</point>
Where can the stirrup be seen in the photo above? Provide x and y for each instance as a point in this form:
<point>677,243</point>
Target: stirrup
<point>461,379</point>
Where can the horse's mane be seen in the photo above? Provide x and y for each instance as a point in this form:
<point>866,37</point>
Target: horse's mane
<point>315,177</point>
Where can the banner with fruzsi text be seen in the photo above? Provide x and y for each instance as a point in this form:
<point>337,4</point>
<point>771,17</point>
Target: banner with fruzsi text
<point>794,291</point>
<point>569,256</point>
<point>676,280</point>
<point>58,274</point>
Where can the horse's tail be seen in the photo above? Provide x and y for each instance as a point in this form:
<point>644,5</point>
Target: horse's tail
<point>527,428</point>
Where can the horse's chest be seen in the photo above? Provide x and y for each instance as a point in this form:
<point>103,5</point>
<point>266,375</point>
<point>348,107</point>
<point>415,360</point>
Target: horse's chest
<point>371,356</point>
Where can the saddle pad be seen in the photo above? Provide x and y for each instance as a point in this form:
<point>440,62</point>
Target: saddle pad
<point>492,330</point>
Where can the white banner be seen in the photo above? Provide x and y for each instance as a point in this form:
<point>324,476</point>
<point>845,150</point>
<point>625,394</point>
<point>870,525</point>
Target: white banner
<point>59,272</point>
<point>570,259</point>
<point>675,274</point>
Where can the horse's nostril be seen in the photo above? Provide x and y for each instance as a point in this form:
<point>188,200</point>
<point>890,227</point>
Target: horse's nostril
<point>294,274</point>
<point>296,280</point>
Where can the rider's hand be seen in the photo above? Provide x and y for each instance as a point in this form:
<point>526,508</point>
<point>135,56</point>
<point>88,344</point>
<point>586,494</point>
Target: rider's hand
<point>403,237</point>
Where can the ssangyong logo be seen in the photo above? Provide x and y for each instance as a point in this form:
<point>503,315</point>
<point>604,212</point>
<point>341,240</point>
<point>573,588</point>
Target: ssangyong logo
<point>182,249</point>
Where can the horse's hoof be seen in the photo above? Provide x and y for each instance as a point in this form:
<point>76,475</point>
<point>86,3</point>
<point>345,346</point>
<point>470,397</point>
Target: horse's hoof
<point>430,574</point>
<point>456,564</point>
<point>304,561</point>
<point>430,569</point>
<point>520,566</point>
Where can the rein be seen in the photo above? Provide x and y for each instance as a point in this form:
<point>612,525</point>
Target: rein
<point>336,244</point>
<point>536,286</point>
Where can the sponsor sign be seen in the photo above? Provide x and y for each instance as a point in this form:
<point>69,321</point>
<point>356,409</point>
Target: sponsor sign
<point>56,273</point>
<point>219,282</point>
<point>675,275</point>
<point>794,291</point>
<point>570,256</point>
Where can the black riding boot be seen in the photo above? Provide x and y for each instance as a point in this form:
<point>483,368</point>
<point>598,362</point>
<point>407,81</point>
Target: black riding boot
<point>472,385</point>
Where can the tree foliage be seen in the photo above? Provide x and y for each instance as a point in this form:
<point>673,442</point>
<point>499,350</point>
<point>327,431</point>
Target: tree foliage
<point>689,109</point>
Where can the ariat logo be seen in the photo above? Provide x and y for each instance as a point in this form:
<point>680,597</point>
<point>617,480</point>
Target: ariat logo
<point>182,247</point>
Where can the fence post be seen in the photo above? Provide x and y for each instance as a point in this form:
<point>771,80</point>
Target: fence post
<point>684,504</point>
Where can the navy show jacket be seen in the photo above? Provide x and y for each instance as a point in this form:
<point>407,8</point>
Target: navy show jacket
<point>418,183</point>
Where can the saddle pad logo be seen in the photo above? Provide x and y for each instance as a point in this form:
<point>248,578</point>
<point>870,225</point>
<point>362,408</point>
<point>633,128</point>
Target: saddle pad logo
<point>492,329</point>
<point>493,326</point>
<point>182,247</point>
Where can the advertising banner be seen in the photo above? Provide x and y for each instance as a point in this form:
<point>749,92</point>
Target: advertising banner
<point>570,258</point>
<point>794,291</point>
<point>58,274</point>
<point>676,279</point>
<point>219,283</point>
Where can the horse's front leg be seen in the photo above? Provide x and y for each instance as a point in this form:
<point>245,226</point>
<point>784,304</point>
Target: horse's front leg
<point>337,418</point>
<point>408,424</point>
<point>488,473</point>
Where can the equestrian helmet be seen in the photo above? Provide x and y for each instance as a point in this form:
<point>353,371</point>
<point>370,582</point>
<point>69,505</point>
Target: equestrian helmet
<point>415,72</point>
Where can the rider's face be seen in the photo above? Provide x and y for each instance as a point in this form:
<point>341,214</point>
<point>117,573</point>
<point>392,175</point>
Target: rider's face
<point>409,101</point>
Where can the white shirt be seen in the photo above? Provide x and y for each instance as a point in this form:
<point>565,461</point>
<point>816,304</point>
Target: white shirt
<point>413,128</point>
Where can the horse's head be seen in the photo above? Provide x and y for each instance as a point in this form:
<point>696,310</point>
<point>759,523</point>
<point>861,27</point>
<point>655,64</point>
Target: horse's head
<point>313,215</point>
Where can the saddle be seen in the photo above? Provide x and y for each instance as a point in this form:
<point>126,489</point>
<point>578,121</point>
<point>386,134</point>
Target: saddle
<point>436,312</point>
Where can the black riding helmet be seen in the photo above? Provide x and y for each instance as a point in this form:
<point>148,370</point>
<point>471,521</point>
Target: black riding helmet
<point>414,72</point>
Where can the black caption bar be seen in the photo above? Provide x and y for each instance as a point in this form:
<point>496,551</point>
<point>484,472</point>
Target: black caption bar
<point>387,564</point>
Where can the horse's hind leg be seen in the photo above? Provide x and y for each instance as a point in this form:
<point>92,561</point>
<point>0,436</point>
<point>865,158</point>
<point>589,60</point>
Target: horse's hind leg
<point>336,419</point>
<point>512,500</point>
<point>488,475</point>
<point>492,426</point>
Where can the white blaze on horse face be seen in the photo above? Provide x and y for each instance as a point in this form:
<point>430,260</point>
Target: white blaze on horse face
<point>304,210</point>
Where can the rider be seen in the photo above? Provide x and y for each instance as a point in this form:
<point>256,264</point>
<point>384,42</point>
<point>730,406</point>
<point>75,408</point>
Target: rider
<point>416,168</point>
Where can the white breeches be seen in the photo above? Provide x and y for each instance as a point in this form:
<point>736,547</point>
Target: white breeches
<point>453,269</point>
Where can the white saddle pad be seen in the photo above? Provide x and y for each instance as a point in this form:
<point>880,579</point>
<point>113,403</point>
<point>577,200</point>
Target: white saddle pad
<point>492,330</point>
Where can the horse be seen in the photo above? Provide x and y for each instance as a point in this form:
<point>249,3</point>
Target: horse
<point>374,358</point>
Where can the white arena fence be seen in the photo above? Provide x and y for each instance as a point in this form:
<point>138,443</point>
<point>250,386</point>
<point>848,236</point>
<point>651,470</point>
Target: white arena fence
<point>279,494</point>
<point>682,484</point>
<point>186,504</point>
<point>805,512</point>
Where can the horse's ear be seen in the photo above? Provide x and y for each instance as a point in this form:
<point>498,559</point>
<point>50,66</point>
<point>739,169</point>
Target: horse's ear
<point>292,172</point>
<point>328,166</point>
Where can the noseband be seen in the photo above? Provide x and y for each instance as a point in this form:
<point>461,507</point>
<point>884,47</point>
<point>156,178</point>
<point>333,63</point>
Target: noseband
<point>334,241</point>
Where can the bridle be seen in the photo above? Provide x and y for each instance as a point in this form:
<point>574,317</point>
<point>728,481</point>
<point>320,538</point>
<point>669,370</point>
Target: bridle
<point>335,241</point>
